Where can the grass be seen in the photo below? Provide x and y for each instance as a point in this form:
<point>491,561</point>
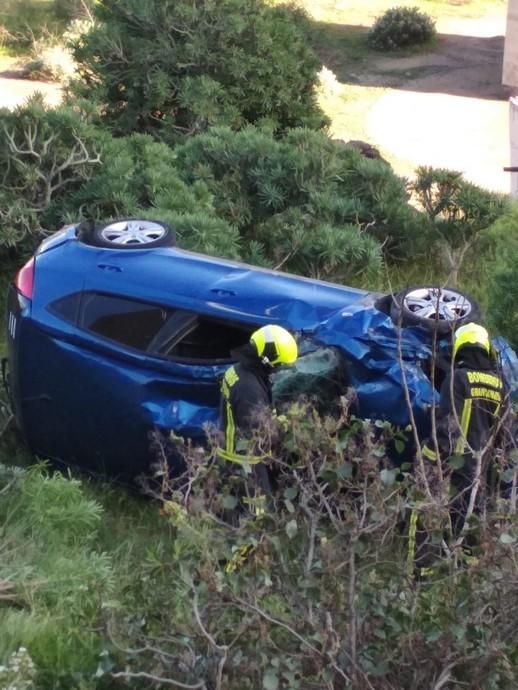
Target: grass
<point>363,13</point>
<point>72,550</point>
<point>23,21</point>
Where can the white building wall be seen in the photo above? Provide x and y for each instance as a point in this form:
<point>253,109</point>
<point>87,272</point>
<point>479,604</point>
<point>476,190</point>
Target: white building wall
<point>510,78</point>
<point>513,127</point>
<point>510,75</point>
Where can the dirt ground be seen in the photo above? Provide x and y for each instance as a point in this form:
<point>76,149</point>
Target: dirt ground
<point>445,107</point>
<point>14,90</point>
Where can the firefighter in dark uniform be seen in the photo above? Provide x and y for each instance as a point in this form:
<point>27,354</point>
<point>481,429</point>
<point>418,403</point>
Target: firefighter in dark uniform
<point>246,390</point>
<point>468,420</point>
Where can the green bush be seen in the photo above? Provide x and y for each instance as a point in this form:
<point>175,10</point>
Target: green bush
<point>45,153</point>
<point>401,27</point>
<point>175,67</point>
<point>317,592</point>
<point>305,202</point>
<point>58,579</point>
<point>138,178</point>
<point>69,10</point>
<point>25,20</point>
<point>60,168</point>
<point>502,293</point>
<point>459,215</point>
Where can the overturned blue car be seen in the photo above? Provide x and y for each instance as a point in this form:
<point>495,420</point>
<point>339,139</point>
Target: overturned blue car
<point>112,332</point>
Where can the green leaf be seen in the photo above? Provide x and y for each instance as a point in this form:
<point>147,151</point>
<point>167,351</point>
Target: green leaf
<point>345,471</point>
<point>291,492</point>
<point>229,502</point>
<point>456,462</point>
<point>388,477</point>
<point>270,680</point>
<point>291,528</point>
<point>506,538</point>
<point>399,445</point>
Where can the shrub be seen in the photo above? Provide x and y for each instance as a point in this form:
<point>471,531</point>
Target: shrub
<point>317,592</point>
<point>174,67</point>
<point>401,27</point>
<point>44,153</point>
<point>306,202</point>
<point>51,54</point>
<point>61,168</point>
<point>69,10</point>
<point>459,214</point>
<point>502,293</point>
<point>59,580</point>
<point>138,178</point>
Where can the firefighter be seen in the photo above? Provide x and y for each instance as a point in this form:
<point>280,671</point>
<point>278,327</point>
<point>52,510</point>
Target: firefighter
<point>470,409</point>
<point>246,391</point>
<point>468,420</point>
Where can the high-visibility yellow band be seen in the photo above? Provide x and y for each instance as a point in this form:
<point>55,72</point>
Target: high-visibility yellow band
<point>241,459</point>
<point>412,530</point>
<point>429,454</point>
<point>464,426</point>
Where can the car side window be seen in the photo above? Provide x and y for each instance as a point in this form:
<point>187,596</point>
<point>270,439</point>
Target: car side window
<point>160,331</point>
<point>128,322</point>
<point>209,340</point>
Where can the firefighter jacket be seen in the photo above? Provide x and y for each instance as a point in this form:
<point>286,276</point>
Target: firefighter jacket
<point>471,404</point>
<point>245,391</point>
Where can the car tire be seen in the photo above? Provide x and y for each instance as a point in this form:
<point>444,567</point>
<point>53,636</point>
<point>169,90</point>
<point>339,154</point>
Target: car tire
<point>433,308</point>
<point>128,233</point>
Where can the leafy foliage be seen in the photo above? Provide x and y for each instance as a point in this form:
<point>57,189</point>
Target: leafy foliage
<point>458,212</point>
<point>44,153</point>
<point>61,168</point>
<point>317,592</point>
<point>138,178</point>
<point>401,27</point>
<point>176,67</point>
<point>49,557</point>
<point>306,203</point>
<point>503,293</point>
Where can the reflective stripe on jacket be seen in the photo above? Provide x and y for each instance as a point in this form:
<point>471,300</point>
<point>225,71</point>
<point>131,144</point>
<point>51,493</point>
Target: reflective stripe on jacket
<point>245,391</point>
<point>468,413</point>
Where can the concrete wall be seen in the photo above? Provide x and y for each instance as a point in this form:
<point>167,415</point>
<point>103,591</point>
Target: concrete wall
<point>510,78</point>
<point>513,131</point>
<point>510,74</point>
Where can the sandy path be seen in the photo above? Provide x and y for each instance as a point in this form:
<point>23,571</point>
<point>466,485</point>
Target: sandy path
<point>14,91</point>
<point>446,108</point>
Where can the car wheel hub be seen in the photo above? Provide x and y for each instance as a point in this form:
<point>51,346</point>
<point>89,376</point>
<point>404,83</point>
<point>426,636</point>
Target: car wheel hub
<point>133,232</point>
<point>438,303</point>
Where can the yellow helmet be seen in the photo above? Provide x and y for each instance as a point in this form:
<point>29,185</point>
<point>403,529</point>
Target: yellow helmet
<point>275,345</point>
<point>471,334</point>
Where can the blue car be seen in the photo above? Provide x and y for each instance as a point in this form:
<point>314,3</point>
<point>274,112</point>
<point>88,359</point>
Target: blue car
<point>112,332</point>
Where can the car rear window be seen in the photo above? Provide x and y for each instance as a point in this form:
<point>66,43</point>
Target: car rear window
<point>128,322</point>
<point>161,331</point>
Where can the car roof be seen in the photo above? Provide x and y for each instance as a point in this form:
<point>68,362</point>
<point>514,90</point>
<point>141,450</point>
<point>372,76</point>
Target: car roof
<point>189,280</point>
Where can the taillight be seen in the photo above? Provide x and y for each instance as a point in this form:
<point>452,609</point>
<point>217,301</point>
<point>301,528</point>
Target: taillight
<point>24,281</point>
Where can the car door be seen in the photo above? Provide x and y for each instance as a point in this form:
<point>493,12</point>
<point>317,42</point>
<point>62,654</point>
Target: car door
<point>137,366</point>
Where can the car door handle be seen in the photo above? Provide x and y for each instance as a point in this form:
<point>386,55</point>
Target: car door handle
<point>110,268</point>
<point>223,293</point>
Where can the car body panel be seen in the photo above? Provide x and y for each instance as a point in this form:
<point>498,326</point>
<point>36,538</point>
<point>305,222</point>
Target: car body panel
<point>89,400</point>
